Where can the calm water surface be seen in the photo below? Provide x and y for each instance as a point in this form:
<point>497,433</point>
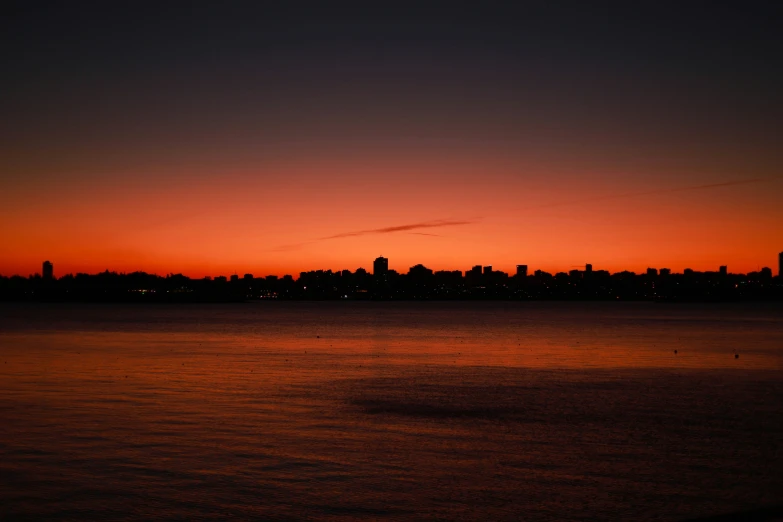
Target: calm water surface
<point>477,411</point>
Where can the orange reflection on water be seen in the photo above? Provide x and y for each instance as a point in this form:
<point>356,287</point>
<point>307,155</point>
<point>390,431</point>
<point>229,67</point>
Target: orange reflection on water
<point>302,410</point>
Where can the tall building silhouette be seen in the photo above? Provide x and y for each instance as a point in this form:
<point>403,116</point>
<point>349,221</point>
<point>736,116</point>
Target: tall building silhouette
<point>780,264</point>
<point>723,270</point>
<point>521,270</point>
<point>588,269</point>
<point>48,270</point>
<point>473,276</point>
<point>380,267</point>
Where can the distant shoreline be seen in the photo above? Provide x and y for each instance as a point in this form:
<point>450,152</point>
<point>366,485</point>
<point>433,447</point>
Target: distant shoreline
<point>163,301</point>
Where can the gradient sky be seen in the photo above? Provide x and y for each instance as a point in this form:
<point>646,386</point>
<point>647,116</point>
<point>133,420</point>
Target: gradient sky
<point>241,138</point>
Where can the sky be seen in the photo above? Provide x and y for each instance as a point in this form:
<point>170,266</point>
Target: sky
<point>230,137</point>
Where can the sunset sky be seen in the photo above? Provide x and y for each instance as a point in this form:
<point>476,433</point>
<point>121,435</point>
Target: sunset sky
<point>219,140</point>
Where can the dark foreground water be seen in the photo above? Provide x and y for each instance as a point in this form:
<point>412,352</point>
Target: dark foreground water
<point>478,411</point>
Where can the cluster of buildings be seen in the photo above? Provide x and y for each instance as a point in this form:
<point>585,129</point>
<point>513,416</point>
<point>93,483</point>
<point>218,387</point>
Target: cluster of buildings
<point>381,269</point>
<point>420,282</point>
<point>477,273</point>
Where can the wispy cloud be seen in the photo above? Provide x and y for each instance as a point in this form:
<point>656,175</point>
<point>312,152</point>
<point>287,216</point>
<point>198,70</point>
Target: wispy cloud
<point>385,230</point>
<point>403,228</point>
<point>414,228</point>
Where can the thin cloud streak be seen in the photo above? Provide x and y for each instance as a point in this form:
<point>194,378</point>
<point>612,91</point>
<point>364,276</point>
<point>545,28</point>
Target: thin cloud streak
<point>402,228</point>
<point>386,230</point>
<point>450,222</point>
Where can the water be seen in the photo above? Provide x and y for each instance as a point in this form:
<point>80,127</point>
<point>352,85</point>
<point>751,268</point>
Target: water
<point>475,411</point>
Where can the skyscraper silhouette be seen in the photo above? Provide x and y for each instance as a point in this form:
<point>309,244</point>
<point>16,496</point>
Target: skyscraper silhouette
<point>47,270</point>
<point>380,267</point>
<point>780,264</point>
<point>521,270</point>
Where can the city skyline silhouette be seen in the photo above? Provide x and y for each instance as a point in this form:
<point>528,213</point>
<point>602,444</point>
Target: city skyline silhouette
<point>481,282</point>
<point>382,264</point>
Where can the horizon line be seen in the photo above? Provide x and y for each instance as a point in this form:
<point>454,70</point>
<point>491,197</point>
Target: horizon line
<point>530,273</point>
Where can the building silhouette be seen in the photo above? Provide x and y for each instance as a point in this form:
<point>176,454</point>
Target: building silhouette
<point>380,267</point>
<point>420,275</point>
<point>480,282</point>
<point>473,276</point>
<point>48,270</point>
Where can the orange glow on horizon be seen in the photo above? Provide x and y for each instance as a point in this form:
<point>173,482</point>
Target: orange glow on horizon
<point>203,145</point>
<point>272,220</point>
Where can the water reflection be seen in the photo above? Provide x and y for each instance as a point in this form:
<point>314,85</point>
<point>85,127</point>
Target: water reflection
<point>315,410</point>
